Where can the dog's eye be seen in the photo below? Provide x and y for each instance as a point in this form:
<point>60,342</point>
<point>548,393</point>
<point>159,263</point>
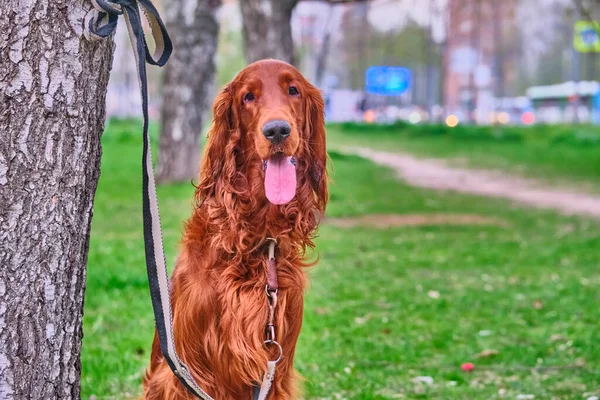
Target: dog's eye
<point>248,97</point>
<point>293,91</point>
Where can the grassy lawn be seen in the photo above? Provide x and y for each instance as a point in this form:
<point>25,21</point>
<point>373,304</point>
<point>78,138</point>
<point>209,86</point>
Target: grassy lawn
<point>518,297</point>
<point>560,154</point>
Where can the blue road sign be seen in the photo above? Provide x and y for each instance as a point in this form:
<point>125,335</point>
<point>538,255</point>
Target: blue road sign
<point>388,81</point>
<point>596,108</point>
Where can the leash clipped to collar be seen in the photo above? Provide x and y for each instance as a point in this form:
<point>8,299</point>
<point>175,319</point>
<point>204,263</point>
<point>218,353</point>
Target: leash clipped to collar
<point>100,23</point>
<point>261,392</point>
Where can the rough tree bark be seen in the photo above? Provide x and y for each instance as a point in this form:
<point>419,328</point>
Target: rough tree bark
<point>267,29</point>
<point>189,77</point>
<point>52,110</point>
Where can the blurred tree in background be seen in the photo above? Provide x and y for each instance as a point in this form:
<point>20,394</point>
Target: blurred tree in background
<point>267,29</point>
<point>545,36</point>
<point>359,44</point>
<point>230,58</point>
<point>188,80</point>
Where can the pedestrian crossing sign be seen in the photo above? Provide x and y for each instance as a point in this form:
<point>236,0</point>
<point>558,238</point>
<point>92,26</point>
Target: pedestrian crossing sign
<point>587,37</point>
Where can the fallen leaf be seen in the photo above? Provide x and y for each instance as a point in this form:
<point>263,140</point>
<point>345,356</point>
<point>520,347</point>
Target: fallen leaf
<point>321,311</point>
<point>556,337</point>
<point>362,320</point>
<point>538,305</point>
<point>423,379</point>
<point>487,353</point>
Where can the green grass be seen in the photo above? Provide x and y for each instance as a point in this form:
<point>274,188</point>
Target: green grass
<point>528,289</point>
<point>561,154</point>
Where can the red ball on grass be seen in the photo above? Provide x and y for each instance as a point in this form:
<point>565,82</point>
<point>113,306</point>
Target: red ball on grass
<point>467,367</point>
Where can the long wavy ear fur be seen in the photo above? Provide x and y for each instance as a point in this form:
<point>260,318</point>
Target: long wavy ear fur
<point>218,166</point>
<point>315,117</point>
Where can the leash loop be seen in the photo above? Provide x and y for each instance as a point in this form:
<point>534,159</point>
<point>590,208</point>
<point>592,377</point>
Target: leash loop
<point>100,23</point>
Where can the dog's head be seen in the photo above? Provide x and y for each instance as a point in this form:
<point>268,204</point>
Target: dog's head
<point>268,123</point>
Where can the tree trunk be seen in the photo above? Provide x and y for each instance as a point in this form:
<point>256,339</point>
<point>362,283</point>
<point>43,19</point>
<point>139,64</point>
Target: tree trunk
<point>323,54</point>
<point>189,78</point>
<point>267,29</point>
<point>52,110</point>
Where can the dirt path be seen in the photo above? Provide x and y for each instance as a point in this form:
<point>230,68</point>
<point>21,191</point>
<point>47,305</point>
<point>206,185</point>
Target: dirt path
<point>382,221</point>
<point>435,174</point>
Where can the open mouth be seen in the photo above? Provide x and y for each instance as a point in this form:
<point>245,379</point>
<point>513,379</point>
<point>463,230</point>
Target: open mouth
<point>280,178</point>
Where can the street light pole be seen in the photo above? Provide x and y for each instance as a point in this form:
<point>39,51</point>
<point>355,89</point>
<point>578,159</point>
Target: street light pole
<point>475,42</point>
<point>575,71</point>
<point>430,57</point>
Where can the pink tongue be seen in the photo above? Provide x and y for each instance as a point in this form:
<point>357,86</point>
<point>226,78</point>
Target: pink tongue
<point>280,180</point>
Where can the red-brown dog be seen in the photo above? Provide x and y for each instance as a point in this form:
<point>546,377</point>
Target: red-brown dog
<point>262,176</point>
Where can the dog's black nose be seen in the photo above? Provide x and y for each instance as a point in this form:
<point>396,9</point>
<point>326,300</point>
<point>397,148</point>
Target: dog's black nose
<point>276,131</point>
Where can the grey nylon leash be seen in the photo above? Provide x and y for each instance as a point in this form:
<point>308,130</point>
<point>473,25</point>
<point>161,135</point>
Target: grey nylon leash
<point>100,23</point>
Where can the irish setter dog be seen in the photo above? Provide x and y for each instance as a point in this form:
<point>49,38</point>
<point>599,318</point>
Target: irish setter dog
<point>263,175</point>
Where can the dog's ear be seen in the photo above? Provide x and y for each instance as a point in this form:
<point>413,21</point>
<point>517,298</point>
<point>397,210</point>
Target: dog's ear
<point>218,166</point>
<point>315,126</point>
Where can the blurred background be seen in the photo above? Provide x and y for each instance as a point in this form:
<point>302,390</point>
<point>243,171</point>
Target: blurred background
<point>460,251</point>
<point>486,62</point>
